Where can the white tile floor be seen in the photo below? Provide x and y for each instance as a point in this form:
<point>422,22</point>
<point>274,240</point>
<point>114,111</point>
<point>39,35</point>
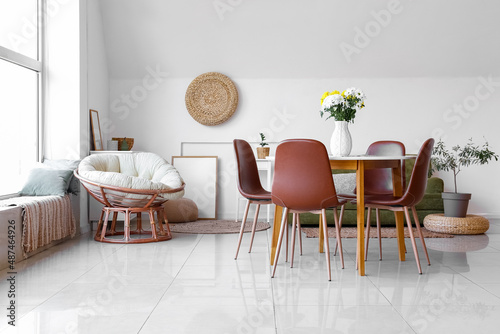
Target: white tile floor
<point>192,284</point>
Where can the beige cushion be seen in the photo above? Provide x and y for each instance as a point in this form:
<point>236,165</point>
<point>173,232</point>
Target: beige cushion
<point>181,210</point>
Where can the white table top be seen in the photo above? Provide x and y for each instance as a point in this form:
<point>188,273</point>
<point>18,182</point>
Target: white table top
<point>365,157</point>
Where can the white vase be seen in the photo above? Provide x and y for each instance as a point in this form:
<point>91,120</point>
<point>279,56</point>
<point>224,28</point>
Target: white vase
<point>341,141</point>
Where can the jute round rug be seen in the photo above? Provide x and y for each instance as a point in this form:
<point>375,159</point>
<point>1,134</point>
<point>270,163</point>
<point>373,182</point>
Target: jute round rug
<point>387,232</point>
<point>215,227</point>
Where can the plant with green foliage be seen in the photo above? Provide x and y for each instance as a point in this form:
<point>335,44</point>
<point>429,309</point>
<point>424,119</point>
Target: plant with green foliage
<point>459,157</point>
<point>263,140</point>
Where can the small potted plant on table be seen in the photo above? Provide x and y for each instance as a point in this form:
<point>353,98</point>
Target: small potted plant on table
<point>262,151</point>
<point>455,203</point>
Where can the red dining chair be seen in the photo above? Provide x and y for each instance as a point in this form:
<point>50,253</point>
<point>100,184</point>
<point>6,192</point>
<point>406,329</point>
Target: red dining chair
<point>249,186</point>
<point>303,183</point>
<point>411,197</point>
<point>379,182</point>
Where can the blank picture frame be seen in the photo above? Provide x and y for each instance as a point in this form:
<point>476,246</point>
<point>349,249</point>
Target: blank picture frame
<point>200,175</point>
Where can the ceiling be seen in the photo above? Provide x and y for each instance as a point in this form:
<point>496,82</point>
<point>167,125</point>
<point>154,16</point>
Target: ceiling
<point>302,38</point>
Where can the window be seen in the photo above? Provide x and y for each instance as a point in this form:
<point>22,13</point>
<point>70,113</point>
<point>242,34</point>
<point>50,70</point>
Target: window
<point>18,24</point>
<point>20,78</point>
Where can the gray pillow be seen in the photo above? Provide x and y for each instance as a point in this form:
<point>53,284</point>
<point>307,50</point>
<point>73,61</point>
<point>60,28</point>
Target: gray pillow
<point>73,184</point>
<point>46,181</point>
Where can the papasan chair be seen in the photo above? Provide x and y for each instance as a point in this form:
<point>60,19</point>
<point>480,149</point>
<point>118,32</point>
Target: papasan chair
<point>131,184</point>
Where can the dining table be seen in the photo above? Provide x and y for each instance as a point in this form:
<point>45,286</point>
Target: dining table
<point>359,163</point>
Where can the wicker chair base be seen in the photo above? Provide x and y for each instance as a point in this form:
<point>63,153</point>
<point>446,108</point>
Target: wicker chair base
<point>155,234</point>
<point>471,224</point>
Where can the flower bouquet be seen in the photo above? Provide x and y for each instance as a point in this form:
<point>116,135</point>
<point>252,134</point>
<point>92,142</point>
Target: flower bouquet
<point>342,106</point>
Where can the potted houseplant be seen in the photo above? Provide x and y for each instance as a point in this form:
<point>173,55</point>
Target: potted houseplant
<point>455,203</point>
<point>262,151</point>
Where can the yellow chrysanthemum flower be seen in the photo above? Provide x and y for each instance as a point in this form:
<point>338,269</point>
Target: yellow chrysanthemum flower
<point>335,92</point>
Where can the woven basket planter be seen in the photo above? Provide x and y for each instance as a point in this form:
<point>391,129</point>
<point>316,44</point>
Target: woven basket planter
<point>471,224</point>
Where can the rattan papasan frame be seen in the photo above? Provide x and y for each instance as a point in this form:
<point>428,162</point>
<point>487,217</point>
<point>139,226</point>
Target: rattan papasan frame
<point>117,199</point>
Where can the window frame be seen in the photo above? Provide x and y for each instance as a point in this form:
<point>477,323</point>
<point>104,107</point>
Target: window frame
<point>36,65</point>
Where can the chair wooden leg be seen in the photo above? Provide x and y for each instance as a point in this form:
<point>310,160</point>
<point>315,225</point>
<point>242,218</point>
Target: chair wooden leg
<point>280,239</point>
<point>164,220</point>
<point>294,229</point>
<point>254,226</point>
<point>413,243</point>
<point>99,223</point>
<point>321,234</point>
<point>421,236</point>
<point>104,225</point>
<point>367,232</point>
<point>153,224</point>
<point>340,227</point>
<point>139,228</point>
<point>327,248</point>
<point>242,229</point>
<point>339,237</point>
<point>300,233</point>
<point>379,233</point>
<point>126,230</point>
<point>286,241</point>
<point>113,223</point>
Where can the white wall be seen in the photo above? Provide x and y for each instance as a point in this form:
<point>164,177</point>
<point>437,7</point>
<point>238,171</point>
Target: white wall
<point>98,76</point>
<point>65,122</point>
<point>425,73</point>
<point>63,80</point>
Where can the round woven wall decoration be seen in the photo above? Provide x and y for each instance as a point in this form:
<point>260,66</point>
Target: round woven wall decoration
<point>211,98</point>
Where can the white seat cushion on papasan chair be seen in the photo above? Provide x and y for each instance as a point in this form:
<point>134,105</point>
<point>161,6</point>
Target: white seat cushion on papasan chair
<point>143,171</point>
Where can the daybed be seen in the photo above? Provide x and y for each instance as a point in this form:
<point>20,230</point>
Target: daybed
<point>45,212</point>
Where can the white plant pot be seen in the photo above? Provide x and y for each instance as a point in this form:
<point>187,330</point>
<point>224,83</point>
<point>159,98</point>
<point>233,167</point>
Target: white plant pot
<point>341,141</point>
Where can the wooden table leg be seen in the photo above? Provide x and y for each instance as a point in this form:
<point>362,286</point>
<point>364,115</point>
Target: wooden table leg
<point>397,186</point>
<point>278,211</point>
<point>360,199</point>
<point>400,220</point>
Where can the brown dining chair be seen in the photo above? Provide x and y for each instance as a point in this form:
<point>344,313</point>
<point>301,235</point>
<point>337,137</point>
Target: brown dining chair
<point>411,197</point>
<point>249,186</point>
<point>303,183</point>
<point>379,182</point>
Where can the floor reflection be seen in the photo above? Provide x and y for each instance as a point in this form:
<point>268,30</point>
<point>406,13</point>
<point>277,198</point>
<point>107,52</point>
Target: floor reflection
<point>460,243</point>
<point>454,250</point>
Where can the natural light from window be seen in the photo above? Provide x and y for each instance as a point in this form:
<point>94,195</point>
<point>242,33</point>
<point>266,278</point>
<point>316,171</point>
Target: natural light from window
<point>19,86</point>
<point>18,26</point>
<point>18,124</point>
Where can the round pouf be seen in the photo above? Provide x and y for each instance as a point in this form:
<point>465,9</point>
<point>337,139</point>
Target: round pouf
<point>471,224</point>
<point>181,210</point>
